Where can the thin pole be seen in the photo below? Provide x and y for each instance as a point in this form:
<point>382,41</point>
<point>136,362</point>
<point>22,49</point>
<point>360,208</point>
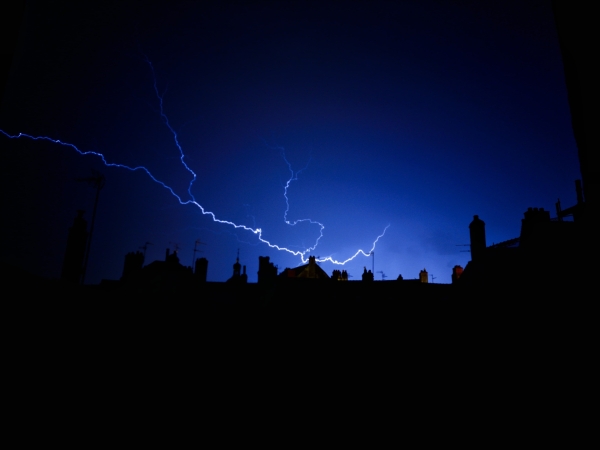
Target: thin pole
<point>99,181</point>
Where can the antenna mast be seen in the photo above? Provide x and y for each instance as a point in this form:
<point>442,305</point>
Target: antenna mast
<point>198,241</point>
<point>97,180</point>
<point>145,247</point>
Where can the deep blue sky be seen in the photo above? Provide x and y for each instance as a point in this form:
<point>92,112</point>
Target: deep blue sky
<point>416,114</point>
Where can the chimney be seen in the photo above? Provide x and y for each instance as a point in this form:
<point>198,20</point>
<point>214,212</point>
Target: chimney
<point>477,232</point>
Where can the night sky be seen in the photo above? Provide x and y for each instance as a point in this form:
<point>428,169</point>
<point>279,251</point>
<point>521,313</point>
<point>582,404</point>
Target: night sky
<point>412,114</point>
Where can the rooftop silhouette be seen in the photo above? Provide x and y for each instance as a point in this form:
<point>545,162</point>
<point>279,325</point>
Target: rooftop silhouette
<point>412,123</point>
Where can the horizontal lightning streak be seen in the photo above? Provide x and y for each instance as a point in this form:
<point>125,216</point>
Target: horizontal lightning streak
<point>257,231</point>
<point>192,201</point>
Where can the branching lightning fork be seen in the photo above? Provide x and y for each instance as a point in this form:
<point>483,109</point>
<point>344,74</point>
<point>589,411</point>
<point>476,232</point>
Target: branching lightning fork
<point>192,200</point>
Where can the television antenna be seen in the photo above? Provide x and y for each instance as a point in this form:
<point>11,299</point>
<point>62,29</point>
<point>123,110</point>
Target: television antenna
<point>198,241</point>
<point>145,247</point>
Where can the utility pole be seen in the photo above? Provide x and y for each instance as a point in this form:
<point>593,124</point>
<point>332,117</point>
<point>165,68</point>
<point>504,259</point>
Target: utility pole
<point>97,180</point>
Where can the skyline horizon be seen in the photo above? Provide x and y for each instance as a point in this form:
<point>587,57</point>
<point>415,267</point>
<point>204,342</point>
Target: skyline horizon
<point>418,115</point>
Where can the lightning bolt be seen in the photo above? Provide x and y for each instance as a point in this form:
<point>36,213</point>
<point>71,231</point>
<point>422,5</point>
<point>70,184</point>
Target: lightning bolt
<point>192,200</point>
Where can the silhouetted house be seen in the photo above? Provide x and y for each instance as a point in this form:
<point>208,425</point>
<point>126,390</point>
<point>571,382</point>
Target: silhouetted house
<point>311,270</point>
<point>547,251</point>
<point>75,252</point>
<point>168,275</point>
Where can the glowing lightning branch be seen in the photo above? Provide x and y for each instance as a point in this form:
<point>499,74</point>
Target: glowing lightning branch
<point>192,200</point>
<point>294,177</point>
<point>174,133</point>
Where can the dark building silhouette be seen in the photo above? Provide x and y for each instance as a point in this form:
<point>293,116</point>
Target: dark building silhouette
<point>171,258</point>
<point>201,269</point>
<point>167,275</point>
<point>576,26</point>
<point>267,272</point>
<point>536,234</point>
<point>577,36</point>
<point>555,252</point>
<point>311,271</point>
<point>134,261</point>
<point>75,251</point>
<point>238,277</point>
<point>548,251</point>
